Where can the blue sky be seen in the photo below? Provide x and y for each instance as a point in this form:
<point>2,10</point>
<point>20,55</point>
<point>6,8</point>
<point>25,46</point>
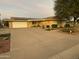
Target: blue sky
<point>26,8</point>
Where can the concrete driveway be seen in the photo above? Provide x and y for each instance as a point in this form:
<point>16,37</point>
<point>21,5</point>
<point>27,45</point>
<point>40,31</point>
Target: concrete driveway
<point>41,44</point>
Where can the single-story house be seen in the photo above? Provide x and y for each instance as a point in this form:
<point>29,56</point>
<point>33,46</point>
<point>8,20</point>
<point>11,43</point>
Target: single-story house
<point>19,22</point>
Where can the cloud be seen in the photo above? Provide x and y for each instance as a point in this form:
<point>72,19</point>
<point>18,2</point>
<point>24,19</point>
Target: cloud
<point>28,8</point>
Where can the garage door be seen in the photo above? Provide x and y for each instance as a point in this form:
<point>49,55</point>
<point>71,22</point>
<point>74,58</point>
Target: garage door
<point>19,24</point>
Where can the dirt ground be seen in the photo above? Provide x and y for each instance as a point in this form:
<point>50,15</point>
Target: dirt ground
<point>37,43</point>
<point>4,46</point>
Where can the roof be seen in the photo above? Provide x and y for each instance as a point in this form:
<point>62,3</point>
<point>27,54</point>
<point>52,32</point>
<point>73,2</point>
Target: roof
<point>30,19</point>
<point>19,18</point>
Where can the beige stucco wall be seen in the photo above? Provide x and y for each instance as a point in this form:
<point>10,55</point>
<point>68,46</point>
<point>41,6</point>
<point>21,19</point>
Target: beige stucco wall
<point>29,24</point>
<point>62,24</point>
<point>10,24</point>
<point>18,24</point>
<point>49,22</point>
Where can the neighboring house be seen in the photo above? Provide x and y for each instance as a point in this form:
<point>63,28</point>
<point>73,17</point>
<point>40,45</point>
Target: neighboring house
<point>18,22</point>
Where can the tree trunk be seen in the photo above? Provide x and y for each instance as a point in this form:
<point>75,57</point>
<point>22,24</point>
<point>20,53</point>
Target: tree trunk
<point>75,18</point>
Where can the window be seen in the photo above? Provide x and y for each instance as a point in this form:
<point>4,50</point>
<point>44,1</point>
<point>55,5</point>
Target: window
<point>33,22</point>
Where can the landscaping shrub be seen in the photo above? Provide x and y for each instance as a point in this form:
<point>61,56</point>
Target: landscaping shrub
<point>54,25</point>
<point>7,35</point>
<point>36,26</point>
<point>67,25</point>
<point>68,29</point>
<point>48,28</point>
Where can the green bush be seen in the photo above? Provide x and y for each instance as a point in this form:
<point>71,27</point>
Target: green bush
<point>48,28</point>
<point>67,25</point>
<point>54,25</point>
<point>2,36</point>
<point>68,30</point>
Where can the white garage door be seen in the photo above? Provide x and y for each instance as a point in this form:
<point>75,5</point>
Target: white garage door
<point>19,24</point>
